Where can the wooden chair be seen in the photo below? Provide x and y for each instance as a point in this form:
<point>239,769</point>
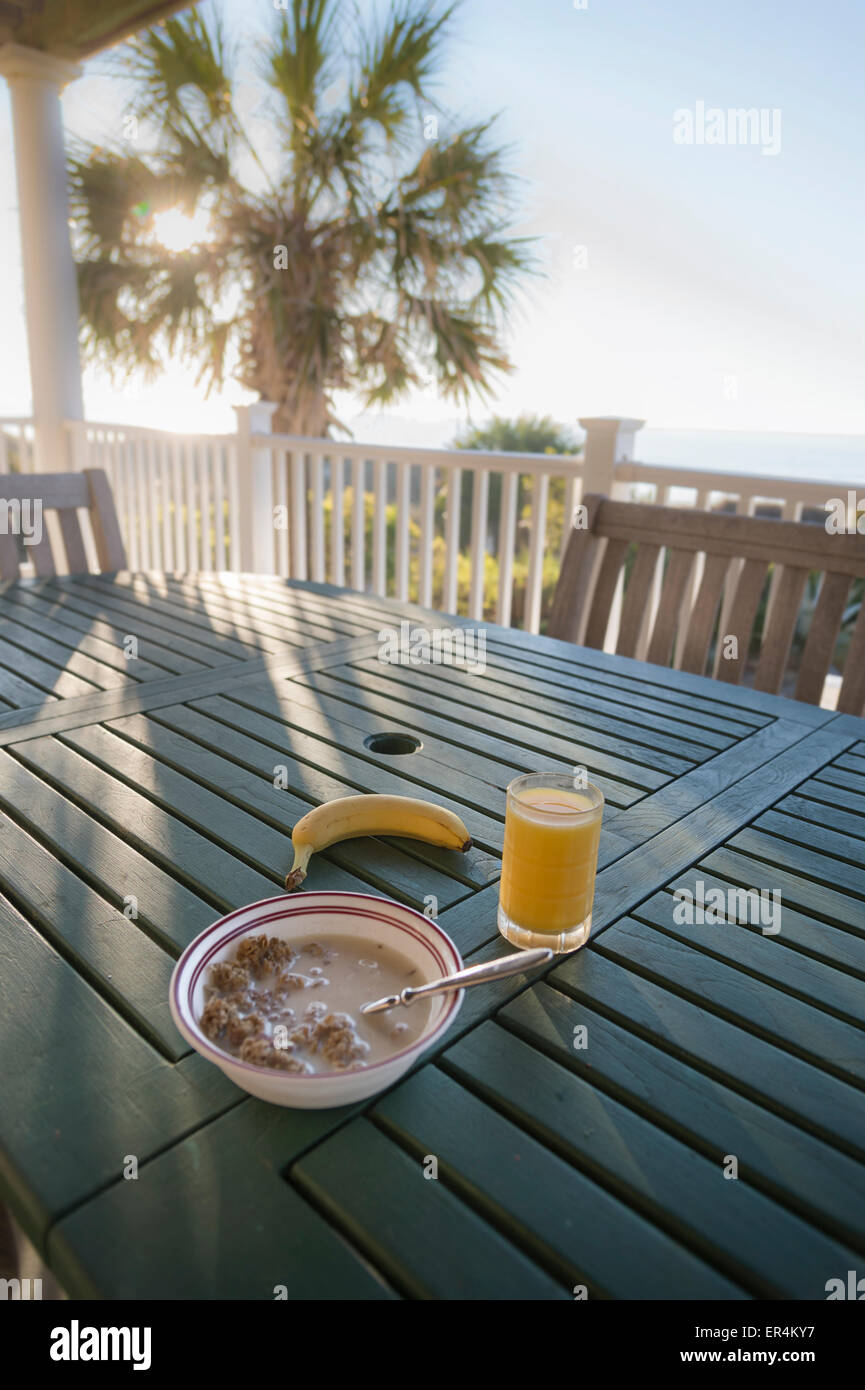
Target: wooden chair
<point>64,493</point>
<point>731,578</point>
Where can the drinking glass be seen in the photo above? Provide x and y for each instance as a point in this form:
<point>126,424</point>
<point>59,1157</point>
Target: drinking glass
<point>552,830</point>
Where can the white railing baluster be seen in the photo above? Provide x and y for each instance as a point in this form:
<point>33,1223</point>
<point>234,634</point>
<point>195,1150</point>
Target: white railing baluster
<point>204,494</point>
<point>298,515</point>
<point>403,543</point>
<point>216,464</point>
<point>480,501</point>
<point>379,529</point>
<point>162,449</point>
<point>192,553</point>
<point>452,540</point>
<point>337,523</point>
<point>124,460</point>
<point>358,525</point>
<point>157,561</point>
<point>234,556</point>
<point>507,546</point>
<point>143,499</point>
<point>118,448</point>
<point>537,545</point>
<point>283,513</point>
<point>427,535</point>
<point>316,465</point>
<point>177,455</point>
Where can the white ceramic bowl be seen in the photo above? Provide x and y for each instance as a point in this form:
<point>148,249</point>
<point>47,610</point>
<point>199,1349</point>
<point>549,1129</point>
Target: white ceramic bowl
<point>298,915</point>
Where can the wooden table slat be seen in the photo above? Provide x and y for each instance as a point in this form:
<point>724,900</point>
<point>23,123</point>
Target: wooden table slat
<point>423,1238</point>
<point>735,1227</point>
<point>85,1090</point>
<point>792,1087</point>
<point>580,1232</point>
<point>794,1167</point>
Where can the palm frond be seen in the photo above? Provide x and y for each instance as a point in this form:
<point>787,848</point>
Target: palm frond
<point>182,57</point>
<point>300,63</point>
<point>108,189</point>
<point>399,61</point>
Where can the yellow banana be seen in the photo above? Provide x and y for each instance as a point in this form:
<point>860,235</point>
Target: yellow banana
<point>350,816</point>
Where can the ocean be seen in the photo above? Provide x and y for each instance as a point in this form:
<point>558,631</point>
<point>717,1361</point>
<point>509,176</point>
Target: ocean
<point>831,458</point>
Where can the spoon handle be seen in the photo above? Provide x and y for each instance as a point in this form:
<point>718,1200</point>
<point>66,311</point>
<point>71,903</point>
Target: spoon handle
<point>481,974</point>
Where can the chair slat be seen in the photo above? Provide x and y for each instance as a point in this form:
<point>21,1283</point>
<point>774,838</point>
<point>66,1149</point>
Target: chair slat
<point>667,621</point>
<point>703,614</point>
<point>822,636</point>
<point>572,590</point>
<point>55,490</point>
<point>9,567</point>
<point>110,550</point>
<point>779,633</point>
<point>40,554</point>
<point>73,542</point>
<point>751,538</point>
<point>637,595</point>
<point>740,622</point>
<point>851,699</point>
<point>608,578</point>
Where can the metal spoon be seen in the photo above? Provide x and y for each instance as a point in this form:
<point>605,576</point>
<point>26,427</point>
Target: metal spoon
<point>472,975</point>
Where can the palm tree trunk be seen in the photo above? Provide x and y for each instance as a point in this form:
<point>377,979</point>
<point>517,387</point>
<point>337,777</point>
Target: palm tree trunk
<point>308,418</point>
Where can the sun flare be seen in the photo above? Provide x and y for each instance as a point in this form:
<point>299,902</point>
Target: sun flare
<point>180,231</point>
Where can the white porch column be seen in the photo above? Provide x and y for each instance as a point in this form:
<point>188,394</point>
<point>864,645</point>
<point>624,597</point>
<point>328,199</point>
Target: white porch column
<point>50,288</point>
<point>255,488</point>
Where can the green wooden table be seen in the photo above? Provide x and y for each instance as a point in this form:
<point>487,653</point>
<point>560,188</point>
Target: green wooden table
<point>585,1124</point>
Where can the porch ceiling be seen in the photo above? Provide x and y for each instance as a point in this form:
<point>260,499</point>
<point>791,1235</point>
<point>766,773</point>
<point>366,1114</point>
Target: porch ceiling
<point>78,28</point>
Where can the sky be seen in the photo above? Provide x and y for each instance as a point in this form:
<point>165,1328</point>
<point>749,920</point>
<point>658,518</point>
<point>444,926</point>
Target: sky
<point>694,285</point>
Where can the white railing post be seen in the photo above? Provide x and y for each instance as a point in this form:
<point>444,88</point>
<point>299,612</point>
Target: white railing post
<point>609,440</point>
<point>255,488</point>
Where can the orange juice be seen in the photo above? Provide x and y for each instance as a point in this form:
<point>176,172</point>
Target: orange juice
<point>552,830</point>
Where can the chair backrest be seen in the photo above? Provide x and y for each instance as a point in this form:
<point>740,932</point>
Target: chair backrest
<point>25,497</point>
<point>715,564</point>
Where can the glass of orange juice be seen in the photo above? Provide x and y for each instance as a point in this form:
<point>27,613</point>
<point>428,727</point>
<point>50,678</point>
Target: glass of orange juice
<point>552,830</point>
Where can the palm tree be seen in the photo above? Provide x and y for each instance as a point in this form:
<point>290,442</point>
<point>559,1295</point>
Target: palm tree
<point>349,251</point>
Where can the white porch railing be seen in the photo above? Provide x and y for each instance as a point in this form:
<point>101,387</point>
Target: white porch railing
<point>419,523</point>
<point>472,533</point>
<point>16,444</point>
<point>176,495</point>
